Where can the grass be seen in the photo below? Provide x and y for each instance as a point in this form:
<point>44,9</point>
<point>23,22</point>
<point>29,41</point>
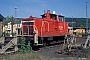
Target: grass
<point>35,56</point>
<point>23,56</point>
<point>31,56</point>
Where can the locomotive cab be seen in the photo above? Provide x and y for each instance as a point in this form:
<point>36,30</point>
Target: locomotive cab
<point>50,16</point>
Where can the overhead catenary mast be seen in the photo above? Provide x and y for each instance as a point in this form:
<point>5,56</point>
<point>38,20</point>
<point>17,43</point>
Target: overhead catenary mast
<point>86,17</point>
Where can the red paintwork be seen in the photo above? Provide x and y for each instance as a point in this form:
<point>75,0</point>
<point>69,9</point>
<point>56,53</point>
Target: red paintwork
<point>45,26</point>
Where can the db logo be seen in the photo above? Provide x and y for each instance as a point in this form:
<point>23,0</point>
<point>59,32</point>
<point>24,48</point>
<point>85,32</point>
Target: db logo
<point>60,27</point>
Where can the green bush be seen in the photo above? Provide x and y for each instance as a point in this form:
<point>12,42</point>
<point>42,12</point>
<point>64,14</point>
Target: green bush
<point>13,34</point>
<point>7,34</point>
<point>25,47</point>
<point>84,53</point>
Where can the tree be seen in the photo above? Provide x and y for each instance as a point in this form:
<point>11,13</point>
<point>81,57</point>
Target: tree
<point>6,20</point>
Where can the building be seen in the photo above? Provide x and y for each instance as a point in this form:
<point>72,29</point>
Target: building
<point>12,27</point>
<point>1,19</point>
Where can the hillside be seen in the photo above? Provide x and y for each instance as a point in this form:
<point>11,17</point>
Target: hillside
<point>78,22</point>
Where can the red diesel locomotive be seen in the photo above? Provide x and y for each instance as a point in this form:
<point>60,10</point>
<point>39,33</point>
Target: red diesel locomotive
<point>46,30</point>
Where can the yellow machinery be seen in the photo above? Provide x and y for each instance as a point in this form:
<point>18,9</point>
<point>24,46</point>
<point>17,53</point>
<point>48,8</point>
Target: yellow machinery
<point>80,30</point>
<point>77,31</point>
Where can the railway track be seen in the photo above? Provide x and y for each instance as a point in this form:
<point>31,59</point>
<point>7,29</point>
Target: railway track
<point>54,50</point>
<point>39,48</point>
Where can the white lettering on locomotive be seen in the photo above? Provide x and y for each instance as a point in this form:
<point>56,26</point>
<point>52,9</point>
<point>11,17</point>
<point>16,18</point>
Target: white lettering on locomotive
<point>61,27</point>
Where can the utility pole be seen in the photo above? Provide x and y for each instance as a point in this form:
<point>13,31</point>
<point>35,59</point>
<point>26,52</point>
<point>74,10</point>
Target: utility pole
<point>16,20</point>
<point>15,12</point>
<point>72,21</point>
<point>86,17</point>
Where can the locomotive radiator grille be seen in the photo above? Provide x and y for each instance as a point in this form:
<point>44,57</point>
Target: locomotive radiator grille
<point>28,30</point>
<point>28,27</point>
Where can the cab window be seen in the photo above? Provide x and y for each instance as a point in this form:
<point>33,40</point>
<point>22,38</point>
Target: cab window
<point>53,17</point>
<point>61,18</point>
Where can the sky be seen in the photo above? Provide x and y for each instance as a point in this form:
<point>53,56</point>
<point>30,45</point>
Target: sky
<point>25,8</point>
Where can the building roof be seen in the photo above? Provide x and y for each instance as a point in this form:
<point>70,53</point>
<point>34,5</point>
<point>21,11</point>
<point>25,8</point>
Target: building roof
<point>60,16</point>
<point>1,17</point>
<point>16,21</point>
